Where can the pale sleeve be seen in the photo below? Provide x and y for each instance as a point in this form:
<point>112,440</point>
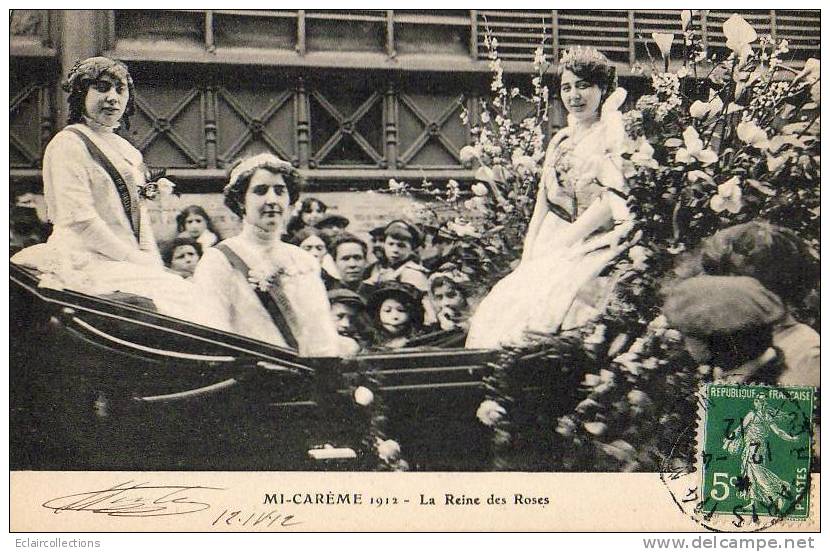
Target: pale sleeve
<point>213,278</point>
<point>66,183</point>
<point>318,335</point>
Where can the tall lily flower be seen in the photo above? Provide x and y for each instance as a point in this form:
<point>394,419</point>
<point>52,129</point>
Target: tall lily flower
<point>694,150</point>
<point>664,42</point>
<point>739,35</point>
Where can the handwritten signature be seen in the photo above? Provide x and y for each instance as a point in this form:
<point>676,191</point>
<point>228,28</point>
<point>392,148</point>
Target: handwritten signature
<point>131,499</point>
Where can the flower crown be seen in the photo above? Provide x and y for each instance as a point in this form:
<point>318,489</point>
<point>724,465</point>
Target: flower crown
<point>583,54</point>
<point>258,161</point>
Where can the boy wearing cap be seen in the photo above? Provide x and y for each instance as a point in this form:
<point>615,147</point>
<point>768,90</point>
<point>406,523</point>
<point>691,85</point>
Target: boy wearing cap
<point>399,262</point>
<point>348,312</point>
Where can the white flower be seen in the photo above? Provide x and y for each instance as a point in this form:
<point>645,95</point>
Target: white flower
<point>739,35</point>
<point>165,186</point>
<point>694,176</point>
<point>638,256</point>
<point>479,189</point>
<point>728,197</point>
<point>468,154</point>
<point>363,396</point>
<point>598,335</point>
<point>752,134</point>
<point>701,110</point>
<point>490,412</point>
<point>485,117</point>
<point>664,42</point>
<point>394,185</point>
<point>685,18</point>
<point>811,72</point>
<point>388,450</point>
<point>775,163</point>
<point>461,227</point>
<point>595,428</point>
<point>261,279</point>
<point>659,323</point>
<point>644,155</point>
<point>694,149</point>
<point>524,164</point>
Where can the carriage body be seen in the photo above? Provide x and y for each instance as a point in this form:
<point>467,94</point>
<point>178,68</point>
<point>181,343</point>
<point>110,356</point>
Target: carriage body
<point>102,384</point>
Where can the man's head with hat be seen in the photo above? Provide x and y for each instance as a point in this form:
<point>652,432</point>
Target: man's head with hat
<point>396,308</point>
<point>726,320</point>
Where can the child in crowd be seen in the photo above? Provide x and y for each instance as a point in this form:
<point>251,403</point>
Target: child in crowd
<point>348,310</point>
<point>194,222</point>
<point>181,256</point>
<point>308,212</point>
<point>397,313</point>
<point>727,322</point>
<point>309,239</point>
<point>400,263</point>
<point>448,294</point>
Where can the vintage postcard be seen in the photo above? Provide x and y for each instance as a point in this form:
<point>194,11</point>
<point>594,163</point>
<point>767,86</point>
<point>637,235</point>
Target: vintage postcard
<point>299,270</point>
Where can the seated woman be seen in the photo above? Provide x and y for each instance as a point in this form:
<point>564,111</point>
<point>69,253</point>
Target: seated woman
<point>580,221</point>
<point>268,289</point>
<point>727,322</point>
<point>94,180</point>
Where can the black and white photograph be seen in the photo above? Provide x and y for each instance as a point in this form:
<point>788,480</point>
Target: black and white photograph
<point>550,241</point>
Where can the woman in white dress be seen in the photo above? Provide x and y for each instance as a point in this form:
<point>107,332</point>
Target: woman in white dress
<point>268,289</point>
<point>580,220</point>
<point>93,181</point>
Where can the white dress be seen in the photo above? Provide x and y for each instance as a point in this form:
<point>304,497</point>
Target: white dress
<point>93,248</point>
<point>555,287</point>
<point>299,279</point>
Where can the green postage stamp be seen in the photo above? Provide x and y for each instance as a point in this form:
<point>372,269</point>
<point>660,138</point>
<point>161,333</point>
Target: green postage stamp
<point>755,450</point>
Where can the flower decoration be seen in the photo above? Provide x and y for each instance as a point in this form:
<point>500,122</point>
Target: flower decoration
<point>490,412</point>
<point>753,135</point>
<point>728,197</point>
<point>388,450</point>
<point>739,35</point>
<point>701,110</point>
<point>694,150</point>
<point>664,42</point>
<point>685,19</point>
<point>363,396</point>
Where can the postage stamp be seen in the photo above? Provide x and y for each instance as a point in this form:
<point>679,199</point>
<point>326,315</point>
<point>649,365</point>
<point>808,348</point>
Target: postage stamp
<point>755,446</point>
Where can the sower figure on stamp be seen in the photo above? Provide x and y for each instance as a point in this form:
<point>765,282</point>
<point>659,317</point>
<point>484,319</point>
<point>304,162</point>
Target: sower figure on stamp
<point>763,488</point>
<point>268,289</point>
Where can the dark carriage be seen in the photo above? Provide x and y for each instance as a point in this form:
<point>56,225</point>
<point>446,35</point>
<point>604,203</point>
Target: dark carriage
<point>101,384</point>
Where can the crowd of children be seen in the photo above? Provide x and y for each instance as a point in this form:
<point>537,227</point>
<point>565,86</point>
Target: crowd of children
<point>381,295</point>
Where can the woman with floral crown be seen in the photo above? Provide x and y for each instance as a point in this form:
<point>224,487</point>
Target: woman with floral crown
<point>580,220</point>
<point>95,183</point>
<point>268,289</point>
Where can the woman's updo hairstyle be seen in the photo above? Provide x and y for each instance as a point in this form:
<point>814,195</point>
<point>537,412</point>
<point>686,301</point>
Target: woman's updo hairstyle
<point>591,65</point>
<point>84,74</point>
<point>241,172</point>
